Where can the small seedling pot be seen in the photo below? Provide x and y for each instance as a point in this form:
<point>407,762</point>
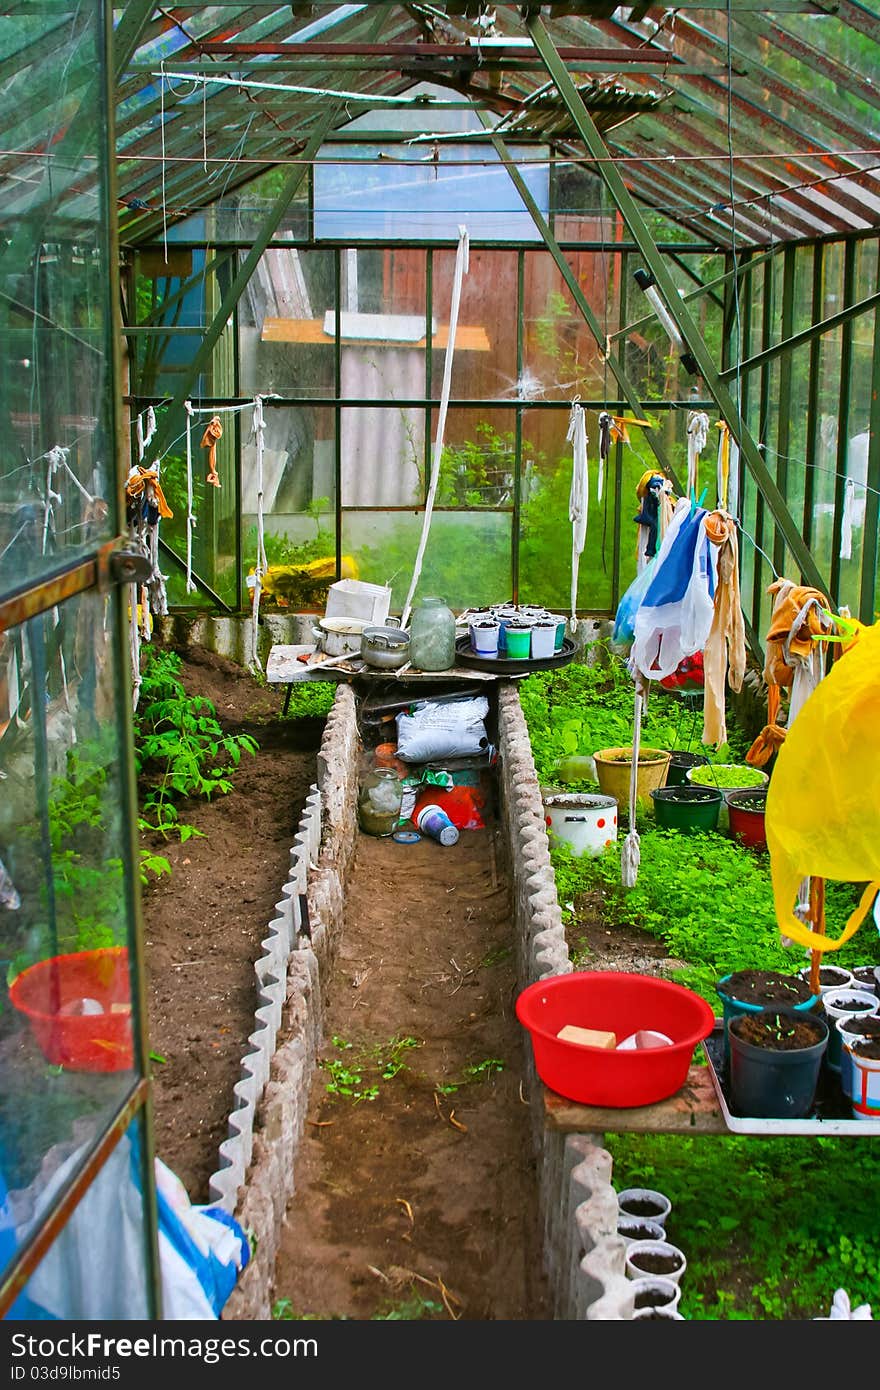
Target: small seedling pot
<point>644,1202</point>
<point>644,1257</point>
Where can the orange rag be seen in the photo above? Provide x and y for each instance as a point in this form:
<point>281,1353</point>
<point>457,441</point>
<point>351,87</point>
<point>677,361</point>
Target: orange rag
<point>724,654</point>
<point>146,478</point>
<point>790,601</point>
<point>772,736</point>
<point>213,432</point>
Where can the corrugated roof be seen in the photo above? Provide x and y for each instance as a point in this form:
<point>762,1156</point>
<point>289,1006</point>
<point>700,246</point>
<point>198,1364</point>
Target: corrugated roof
<point>741,122</point>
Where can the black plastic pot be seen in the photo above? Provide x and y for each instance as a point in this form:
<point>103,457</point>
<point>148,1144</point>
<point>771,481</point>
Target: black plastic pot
<point>679,763</point>
<point>687,808</point>
<point>768,1083</point>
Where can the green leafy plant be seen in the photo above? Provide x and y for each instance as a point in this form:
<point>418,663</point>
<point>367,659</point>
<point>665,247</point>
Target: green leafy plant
<point>473,1072</point>
<point>358,1078</point>
<point>180,750</point>
<point>727,775</point>
<point>311,700</point>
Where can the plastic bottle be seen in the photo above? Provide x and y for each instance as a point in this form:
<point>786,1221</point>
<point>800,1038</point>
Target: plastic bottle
<point>433,821</point>
<point>432,636</point>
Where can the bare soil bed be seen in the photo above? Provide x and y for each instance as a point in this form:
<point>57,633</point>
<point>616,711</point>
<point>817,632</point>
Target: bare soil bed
<point>203,924</point>
<point>418,1200</point>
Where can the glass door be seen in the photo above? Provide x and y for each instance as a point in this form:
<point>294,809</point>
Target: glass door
<point>77,1206</point>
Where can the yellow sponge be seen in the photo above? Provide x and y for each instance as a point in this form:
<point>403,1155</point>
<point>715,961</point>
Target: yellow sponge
<point>587,1037</point>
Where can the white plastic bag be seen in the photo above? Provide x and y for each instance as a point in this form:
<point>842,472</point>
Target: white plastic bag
<point>443,729</point>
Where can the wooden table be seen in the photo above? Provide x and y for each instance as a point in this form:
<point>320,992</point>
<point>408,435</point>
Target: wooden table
<point>692,1110</point>
<point>284,667</point>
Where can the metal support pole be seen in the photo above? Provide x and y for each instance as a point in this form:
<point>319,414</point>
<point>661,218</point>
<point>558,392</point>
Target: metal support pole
<point>693,339</point>
<point>783,418</point>
<point>627,389</point>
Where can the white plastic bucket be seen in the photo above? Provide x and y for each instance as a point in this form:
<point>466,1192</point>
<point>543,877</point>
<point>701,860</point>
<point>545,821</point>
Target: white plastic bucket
<point>585,821</point>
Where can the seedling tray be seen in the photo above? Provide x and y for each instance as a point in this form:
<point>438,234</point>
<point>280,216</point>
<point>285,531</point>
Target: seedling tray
<point>510,666</point>
<point>831,1114</point>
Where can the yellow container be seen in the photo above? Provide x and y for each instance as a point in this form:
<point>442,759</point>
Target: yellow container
<point>613,768</point>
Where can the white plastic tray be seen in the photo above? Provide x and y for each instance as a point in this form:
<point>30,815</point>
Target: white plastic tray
<point>823,1121</point>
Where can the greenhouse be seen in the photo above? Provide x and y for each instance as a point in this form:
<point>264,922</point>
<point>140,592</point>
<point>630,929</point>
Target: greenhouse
<point>439,662</point>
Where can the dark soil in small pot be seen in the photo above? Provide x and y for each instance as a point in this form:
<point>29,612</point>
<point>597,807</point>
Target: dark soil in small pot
<point>864,1027</point>
<point>639,1207</point>
<point>865,976</point>
<point>830,975</point>
<point>850,1004</point>
<point>763,987</point>
<point>780,1032</point>
<point>639,1231</point>
<point>869,1047</point>
<point>649,1299</point>
<point>748,800</point>
<point>656,1262</point>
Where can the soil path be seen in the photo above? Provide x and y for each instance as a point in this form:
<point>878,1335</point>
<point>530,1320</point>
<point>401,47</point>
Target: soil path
<point>203,925</point>
<point>420,1202</point>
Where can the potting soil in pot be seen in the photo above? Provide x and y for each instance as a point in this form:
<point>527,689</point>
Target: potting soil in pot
<point>786,1035</point>
<point>763,987</point>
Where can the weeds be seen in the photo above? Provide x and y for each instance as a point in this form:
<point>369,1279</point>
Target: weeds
<point>475,1071</point>
<point>358,1078</point>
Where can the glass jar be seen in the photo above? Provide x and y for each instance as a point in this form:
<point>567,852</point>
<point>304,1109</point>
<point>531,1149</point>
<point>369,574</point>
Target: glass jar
<point>432,636</point>
<point>379,801</point>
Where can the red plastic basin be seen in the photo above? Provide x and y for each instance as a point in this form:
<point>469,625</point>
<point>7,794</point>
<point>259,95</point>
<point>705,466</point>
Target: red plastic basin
<point>621,1003</point>
<point>80,1042</point>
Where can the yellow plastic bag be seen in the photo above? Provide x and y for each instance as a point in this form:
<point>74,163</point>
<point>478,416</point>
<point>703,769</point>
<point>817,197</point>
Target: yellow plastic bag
<point>822,815</point>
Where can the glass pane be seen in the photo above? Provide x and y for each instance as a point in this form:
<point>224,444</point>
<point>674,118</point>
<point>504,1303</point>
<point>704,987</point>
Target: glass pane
<point>478,464</point>
<point>286,325</point>
<point>466,562</point>
<point>383,456</point>
<point>545,548</point>
<point>58,493</point>
<point>181,293</point>
<point>96,1269</point>
<point>299,501</point>
<point>66,1035</point>
<point>484,364</point>
<point>399,193</point>
<point>561,358</point>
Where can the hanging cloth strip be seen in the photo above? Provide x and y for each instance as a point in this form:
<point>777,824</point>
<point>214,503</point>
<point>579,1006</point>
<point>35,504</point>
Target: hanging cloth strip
<point>792,658</point>
<point>604,450</point>
<point>697,433</point>
<point>723,489</point>
<point>579,494</point>
<point>461,269</point>
<point>654,514</point>
<point>724,654</point>
<point>213,432</point>
<point>262,563</point>
<point>190,514</point>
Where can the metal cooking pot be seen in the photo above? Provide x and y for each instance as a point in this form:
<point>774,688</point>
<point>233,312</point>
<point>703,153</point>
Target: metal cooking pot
<point>340,636</point>
<point>385,647</point>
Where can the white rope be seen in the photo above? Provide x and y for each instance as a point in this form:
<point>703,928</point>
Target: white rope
<point>579,496</point>
<point>190,515</point>
<point>630,856</point>
<point>461,269</point>
<point>262,564</point>
<point>846,520</point>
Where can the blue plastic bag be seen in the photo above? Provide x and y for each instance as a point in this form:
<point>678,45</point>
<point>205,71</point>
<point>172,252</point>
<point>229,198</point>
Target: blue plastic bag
<point>625,618</point>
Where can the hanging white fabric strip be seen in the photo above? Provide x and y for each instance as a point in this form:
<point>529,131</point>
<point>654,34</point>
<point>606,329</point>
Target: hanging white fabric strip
<point>190,515</point>
<point>262,563</point>
<point>846,520</point>
<point>578,498</point>
<point>461,269</point>
<point>698,433</point>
